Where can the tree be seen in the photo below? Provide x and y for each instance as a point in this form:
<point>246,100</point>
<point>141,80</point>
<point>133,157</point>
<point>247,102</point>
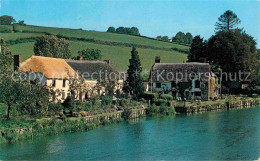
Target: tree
<point>21,22</point>
<point>197,50</point>
<point>227,21</point>
<point>233,51</point>
<point>159,38</point>
<point>134,83</point>
<point>6,20</point>
<point>52,46</point>
<point>111,29</point>
<point>165,38</point>
<point>90,54</point>
<point>179,37</point>
<point>188,38</point>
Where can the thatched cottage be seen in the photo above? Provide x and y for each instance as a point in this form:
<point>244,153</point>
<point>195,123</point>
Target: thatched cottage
<point>58,73</point>
<point>184,80</point>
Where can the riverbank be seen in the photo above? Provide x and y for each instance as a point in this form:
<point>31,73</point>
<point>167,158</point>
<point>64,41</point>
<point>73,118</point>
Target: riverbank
<point>14,130</point>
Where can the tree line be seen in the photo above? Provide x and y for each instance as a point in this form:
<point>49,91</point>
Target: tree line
<point>124,30</point>
<point>180,38</point>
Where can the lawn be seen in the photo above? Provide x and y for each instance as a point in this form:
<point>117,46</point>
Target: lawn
<point>119,56</point>
<point>101,36</point>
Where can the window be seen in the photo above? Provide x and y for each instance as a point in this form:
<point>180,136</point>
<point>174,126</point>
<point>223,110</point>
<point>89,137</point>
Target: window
<point>64,83</point>
<point>197,84</point>
<point>158,85</point>
<point>63,95</point>
<point>197,93</point>
<point>53,82</point>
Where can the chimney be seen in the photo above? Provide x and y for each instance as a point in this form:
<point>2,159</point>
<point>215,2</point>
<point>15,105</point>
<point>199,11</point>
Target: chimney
<point>79,57</point>
<point>107,61</point>
<point>202,60</point>
<point>157,59</point>
<point>17,60</point>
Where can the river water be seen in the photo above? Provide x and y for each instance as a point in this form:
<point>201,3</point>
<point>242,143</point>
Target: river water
<point>223,135</point>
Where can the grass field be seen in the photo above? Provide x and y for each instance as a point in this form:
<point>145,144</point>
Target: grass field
<point>118,55</point>
<point>101,36</point>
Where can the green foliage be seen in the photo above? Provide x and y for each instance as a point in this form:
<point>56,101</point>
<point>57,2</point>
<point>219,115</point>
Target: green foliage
<point>90,54</point>
<point>166,110</point>
<point>111,29</point>
<point>106,100</point>
<point>227,21</point>
<point>6,20</point>
<point>167,97</point>
<point>55,107</point>
<point>52,46</point>
<point>134,83</point>
<point>150,96</point>
<point>21,22</point>
<point>198,49</point>
<point>128,31</point>
<point>152,110</point>
<point>69,104</point>
<point>165,38</point>
<point>126,114</point>
<point>183,38</point>
<point>233,51</point>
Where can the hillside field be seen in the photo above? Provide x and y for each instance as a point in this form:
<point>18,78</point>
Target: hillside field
<point>119,55</point>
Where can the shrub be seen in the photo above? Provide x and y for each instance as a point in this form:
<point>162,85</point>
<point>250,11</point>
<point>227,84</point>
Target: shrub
<point>126,114</point>
<point>69,104</point>
<point>161,102</point>
<point>55,107</point>
<point>167,97</point>
<point>83,113</point>
<point>152,110</point>
<point>106,100</point>
<point>150,96</point>
<point>124,102</point>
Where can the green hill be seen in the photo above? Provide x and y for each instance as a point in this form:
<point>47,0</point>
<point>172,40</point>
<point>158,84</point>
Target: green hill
<point>115,47</point>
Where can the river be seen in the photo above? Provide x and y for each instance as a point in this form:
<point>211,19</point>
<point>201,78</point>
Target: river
<point>223,135</point>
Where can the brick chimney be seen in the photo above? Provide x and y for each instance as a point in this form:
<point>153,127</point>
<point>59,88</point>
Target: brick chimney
<point>17,61</point>
<point>107,61</point>
<point>79,57</point>
<point>157,59</point>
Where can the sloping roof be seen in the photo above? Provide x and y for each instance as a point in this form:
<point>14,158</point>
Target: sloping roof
<point>93,70</point>
<point>52,68</point>
<point>180,72</point>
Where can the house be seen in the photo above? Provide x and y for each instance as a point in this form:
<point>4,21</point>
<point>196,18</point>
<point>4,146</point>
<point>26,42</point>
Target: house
<point>184,80</point>
<point>59,73</point>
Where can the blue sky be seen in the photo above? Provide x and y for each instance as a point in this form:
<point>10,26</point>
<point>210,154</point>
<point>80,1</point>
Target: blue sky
<point>152,17</point>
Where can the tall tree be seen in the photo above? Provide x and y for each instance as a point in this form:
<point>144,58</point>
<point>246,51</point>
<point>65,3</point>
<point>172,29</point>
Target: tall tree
<point>134,83</point>
<point>227,21</point>
<point>179,37</point>
<point>6,20</point>
<point>233,52</point>
<point>197,50</point>
<point>188,38</point>
<point>52,46</point>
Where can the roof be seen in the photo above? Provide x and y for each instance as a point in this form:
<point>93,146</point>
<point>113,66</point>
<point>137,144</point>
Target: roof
<point>180,72</point>
<point>93,70</point>
<point>52,68</point>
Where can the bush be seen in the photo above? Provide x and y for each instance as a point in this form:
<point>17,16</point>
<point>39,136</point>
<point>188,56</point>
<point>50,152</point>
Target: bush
<point>167,97</point>
<point>166,110</point>
<point>126,114</point>
<point>55,107</point>
<point>152,110</point>
<point>106,100</point>
<point>69,104</point>
<point>83,113</point>
<point>150,96</point>
<point>124,102</point>
<point>162,102</point>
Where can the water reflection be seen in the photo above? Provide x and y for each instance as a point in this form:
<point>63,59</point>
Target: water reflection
<point>220,135</point>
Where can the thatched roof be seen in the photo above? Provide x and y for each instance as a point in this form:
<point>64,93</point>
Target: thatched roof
<point>93,70</point>
<point>52,68</point>
<point>168,72</point>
